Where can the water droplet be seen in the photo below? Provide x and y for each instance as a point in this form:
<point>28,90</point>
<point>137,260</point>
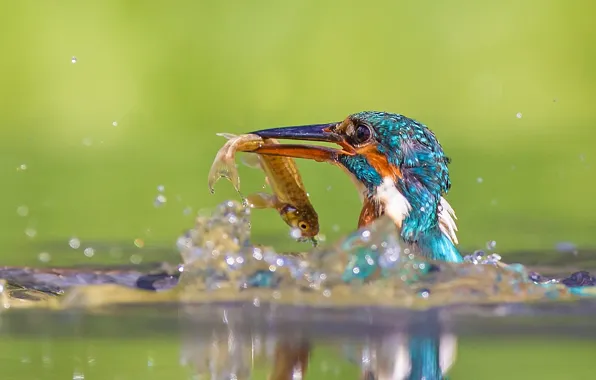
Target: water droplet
<point>187,210</point>
<point>73,59</point>
<point>44,257</point>
<point>115,123</point>
<point>31,232</point>
<point>87,141</point>
<point>22,167</point>
<point>160,200</point>
<point>139,243</point>
<point>424,293</point>
<point>161,188</point>
<point>566,246</point>
<point>335,228</point>
<point>490,245</point>
<point>89,252</point>
<point>136,259</point>
<point>23,210</point>
<point>479,180</point>
<point>519,115</point>
<point>296,233</point>
<point>74,243</point>
<point>329,188</point>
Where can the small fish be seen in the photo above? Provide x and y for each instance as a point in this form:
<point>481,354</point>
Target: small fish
<point>289,196</point>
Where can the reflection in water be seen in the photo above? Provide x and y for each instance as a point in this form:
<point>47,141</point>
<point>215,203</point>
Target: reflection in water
<point>212,342</point>
<point>398,353</point>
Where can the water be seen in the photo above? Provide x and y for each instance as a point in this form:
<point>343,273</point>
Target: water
<point>364,307</point>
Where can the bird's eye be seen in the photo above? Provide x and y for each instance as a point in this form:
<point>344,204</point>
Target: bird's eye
<point>303,226</point>
<point>362,134</point>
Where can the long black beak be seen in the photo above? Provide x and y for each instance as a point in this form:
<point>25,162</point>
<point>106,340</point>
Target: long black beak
<point>314,132</point>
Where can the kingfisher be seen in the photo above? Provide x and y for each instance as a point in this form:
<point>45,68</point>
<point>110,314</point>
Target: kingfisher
<point>398,167</point>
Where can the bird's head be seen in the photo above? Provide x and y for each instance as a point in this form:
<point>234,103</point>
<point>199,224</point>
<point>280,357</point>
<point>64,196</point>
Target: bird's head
<point>398,161</point>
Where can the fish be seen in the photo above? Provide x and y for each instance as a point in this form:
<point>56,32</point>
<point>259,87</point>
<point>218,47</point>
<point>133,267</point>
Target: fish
<point>289,197</point>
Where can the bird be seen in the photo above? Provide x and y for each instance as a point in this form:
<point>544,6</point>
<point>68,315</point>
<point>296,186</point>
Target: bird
<point>398,166</point>
<point>400,170</point>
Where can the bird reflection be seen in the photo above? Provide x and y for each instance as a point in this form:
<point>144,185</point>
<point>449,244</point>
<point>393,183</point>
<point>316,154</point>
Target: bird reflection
<point>236,351</point>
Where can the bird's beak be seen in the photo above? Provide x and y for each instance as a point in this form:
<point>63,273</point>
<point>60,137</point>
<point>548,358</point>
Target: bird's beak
<point>315,132</point>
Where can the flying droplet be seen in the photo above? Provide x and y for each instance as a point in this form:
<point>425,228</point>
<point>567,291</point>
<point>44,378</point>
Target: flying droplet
<point>73,59</point>
<point>22,167</point>
<point>74,243</point>
<point>187,211</point>
<point>335,228</point>
<point>44,257</point>
<point>31,232</point>
<point>114,123</point>
<point>160,200</point>
<point>139,243</point>
<point>519,115</point>
<point>23,210</point>
<point>87,141</point>
<point>479,180</point>
<point>491,245</point>
<point>161,188</point>
<point>89,252</point>
<point>566,246</point>
<point>296,233</point>
<point>136,259</point>
<point>329,188</point>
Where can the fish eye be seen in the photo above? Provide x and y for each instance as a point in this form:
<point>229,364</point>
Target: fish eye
<point>303,225</point>
<point>362,134</point>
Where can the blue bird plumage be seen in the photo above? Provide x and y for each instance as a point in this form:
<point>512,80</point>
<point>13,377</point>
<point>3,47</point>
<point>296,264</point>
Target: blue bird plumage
<point>379,148</point>
<point>414,149</point>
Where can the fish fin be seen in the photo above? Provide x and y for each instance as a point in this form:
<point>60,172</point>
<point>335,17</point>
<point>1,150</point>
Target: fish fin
<point>223,167</point>
<point>251,160</point>
<point>228,136</point>
<point>262,200</point>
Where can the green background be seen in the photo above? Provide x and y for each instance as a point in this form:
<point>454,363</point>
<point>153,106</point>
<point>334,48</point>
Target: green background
<point>174,73</point>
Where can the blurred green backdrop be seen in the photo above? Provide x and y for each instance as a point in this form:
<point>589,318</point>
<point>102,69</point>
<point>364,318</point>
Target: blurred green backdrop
<point>508,87</point>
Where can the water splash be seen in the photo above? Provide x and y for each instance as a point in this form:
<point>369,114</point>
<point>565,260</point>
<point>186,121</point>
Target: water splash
<point>369,267</point>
